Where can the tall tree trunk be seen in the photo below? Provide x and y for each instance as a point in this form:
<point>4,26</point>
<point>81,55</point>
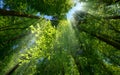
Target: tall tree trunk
<point>112,17</point>
<point>12,29</point>
<point>14,38</point>
<point>104,39</point>
<point>10,72</point>
<point>99,17</point>
<point>4,12</point>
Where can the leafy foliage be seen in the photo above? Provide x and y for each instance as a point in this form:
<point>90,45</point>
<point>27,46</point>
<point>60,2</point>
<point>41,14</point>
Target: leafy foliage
<point>49,7</point>
<point>88,46</point>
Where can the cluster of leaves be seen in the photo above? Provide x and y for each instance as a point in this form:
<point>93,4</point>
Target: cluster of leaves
<point>34,47</point>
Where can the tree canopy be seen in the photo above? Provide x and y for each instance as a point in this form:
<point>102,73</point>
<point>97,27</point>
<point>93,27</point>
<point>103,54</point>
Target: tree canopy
<point>49,7</point>
<point>88,43</point>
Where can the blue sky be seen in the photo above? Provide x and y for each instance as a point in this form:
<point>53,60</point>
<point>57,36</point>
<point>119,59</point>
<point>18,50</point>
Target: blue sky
<point>78,7</point>
<point>45,16</point>
<point>1,3</point>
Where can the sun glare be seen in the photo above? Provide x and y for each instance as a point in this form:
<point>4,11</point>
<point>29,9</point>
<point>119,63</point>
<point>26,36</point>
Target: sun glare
<point>78,7</point>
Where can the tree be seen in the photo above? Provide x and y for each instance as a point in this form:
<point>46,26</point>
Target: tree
<point>33,45</point>
<point>98,24</point>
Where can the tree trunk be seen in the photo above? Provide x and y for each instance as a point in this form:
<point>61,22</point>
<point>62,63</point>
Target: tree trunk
<point>112,17</point>
<point>12,70</point>
<point>14,38</point>
<point>4,12</point>
<point>104,39</point>
<point>12,29</point>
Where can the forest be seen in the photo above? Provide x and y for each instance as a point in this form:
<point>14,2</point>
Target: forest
<point>59,37</point>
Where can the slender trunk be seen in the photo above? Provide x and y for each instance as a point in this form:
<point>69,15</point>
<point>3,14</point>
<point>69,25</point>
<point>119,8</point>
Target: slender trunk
<point>99,17</point>
<point>63,71</point>
<point>106,17</point>
<point>104,39</point>
<point>4,12</point>
<point>17,37</point>
<point>12,29</point>
<point>112,17</point>
<point>14,38</point>
<point>4,27</point>
<point>10,72</point>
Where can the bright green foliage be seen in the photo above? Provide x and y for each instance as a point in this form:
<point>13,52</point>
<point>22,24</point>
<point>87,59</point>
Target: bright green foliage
<point>87,46</point>
<point>51,52</point>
